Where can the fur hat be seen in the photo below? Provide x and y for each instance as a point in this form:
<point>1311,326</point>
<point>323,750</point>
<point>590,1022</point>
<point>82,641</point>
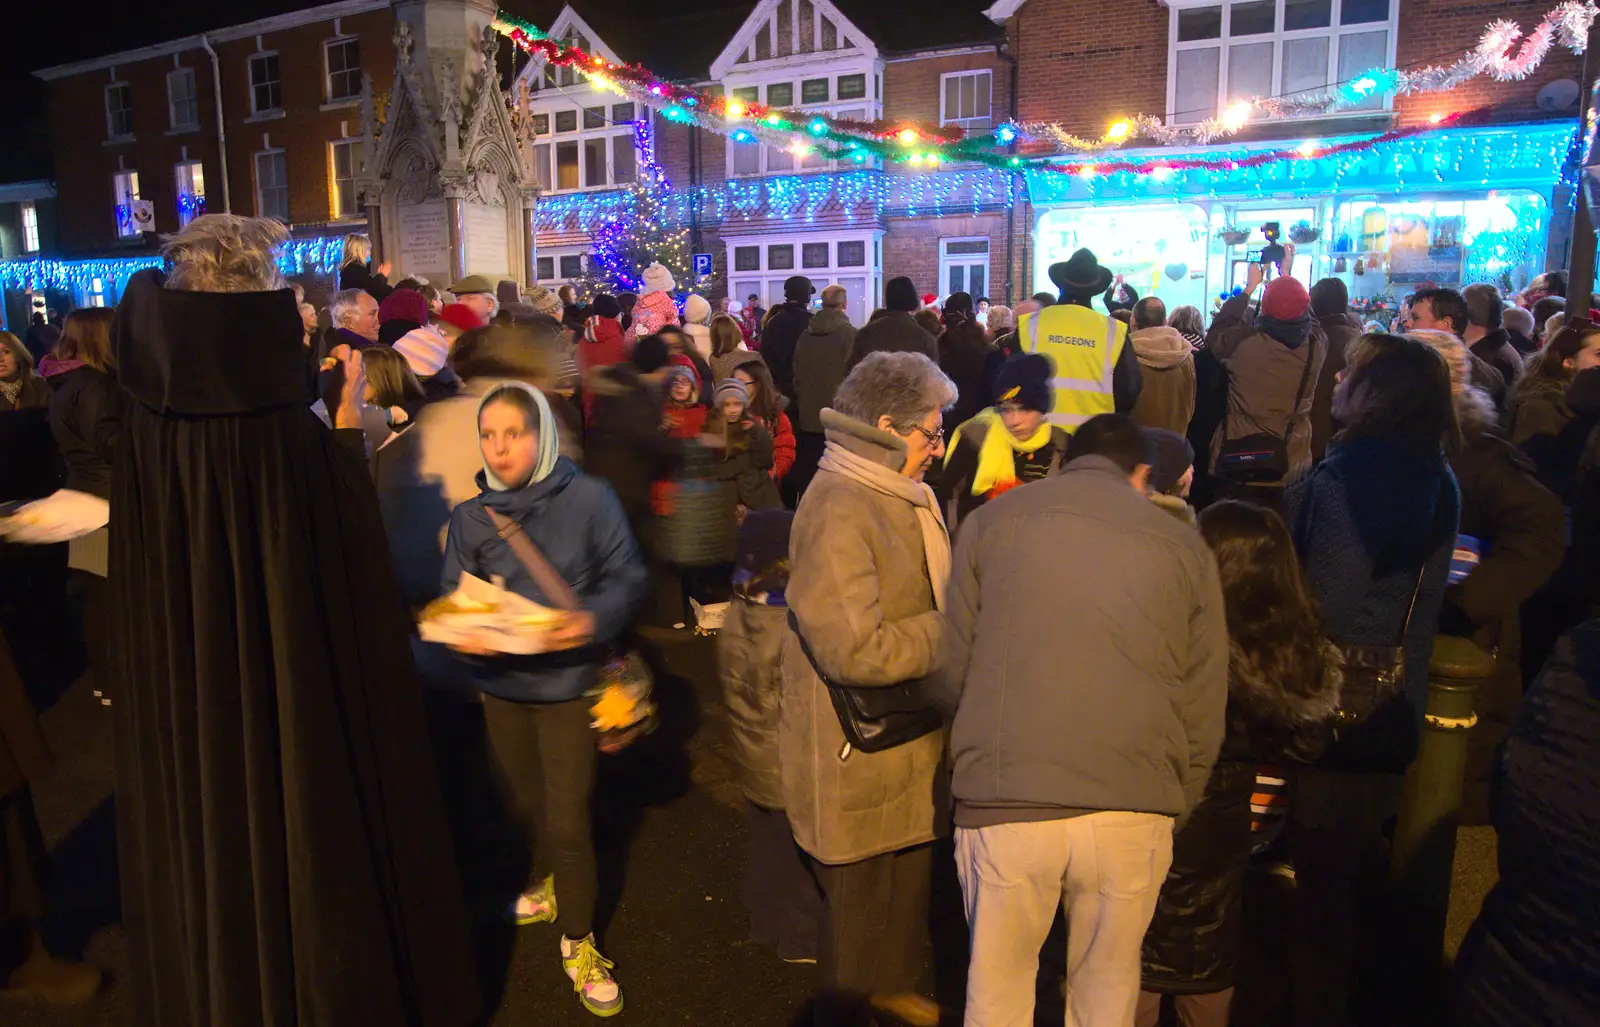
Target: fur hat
<point>657,279</point>
<point>1025,380</point>
<point>900,294</point>
<point>1081,275</point>
<point>1169,455</point>
<point>696,310</point>
<point>798,289</point>
<point>461,316</point>
<point>731,387</point>
<point>1285,298</point>
<point>404,305</point>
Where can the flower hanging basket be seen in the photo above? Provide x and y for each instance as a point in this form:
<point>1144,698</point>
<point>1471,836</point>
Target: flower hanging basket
<point>1301,233</point>
<point>1233,236</point>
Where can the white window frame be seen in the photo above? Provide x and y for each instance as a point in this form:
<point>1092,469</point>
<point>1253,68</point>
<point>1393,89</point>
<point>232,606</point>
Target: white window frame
<point>576,101</point>
<point>335,206</point>
<point>1334,32</point>
<point>865,108</point>
<point>983,123</point>
<point>125,193</point>
<point>111,120</point>
<point>28,215</point>
<point>768,282</point>
<point>250,81</point>
<point>190,179</point>
<point>191,117</point>
<point>967,261</point>
<point>328,72</point>
<point>255,170</point>
<point>555,254</point>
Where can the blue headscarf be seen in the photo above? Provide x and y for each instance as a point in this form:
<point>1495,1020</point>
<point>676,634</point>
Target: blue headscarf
<point>549,442</point>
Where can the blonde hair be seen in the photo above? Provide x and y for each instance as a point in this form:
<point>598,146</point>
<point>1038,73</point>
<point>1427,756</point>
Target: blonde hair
<point>726,335</point>
<point>357,249</point>
<point>86,336</point>
<point>226,253</point>
<point>999,319</point>
<point>390,377</point>
<point>1454,352</point>
<point>834,296</point>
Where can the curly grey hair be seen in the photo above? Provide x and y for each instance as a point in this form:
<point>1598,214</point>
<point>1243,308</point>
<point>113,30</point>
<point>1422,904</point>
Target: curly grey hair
<point>905,386</point>
<point>1187,319</point>
<point>226,253</point>
<point>345,302</point>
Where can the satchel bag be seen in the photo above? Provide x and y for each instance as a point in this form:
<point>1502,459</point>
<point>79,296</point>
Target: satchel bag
<point>874,718</point>
<point>1373,674</point>
<point>622,708</point>
<point>1263,457</point>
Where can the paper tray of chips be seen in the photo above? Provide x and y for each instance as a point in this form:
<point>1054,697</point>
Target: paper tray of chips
<point>483,614</point>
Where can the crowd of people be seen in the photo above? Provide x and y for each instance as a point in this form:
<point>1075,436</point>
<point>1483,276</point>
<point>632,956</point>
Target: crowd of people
<point>1050,593</point>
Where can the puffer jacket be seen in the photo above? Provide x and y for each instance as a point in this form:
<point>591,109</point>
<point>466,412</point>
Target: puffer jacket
<point>1532,959</point>
<point>577,523</point>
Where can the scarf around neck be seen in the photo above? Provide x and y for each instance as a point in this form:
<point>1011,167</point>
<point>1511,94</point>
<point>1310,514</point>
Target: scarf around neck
<point>886,481</point>
<point>997,454</point>
<point>12,389</point>
<point>1292,331</point>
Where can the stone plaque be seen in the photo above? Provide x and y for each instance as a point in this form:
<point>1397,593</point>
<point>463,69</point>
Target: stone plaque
<point>484,240</point>
<point>424,241</point>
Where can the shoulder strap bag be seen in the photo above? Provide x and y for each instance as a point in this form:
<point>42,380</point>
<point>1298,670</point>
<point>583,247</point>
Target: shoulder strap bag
<point>1263,457</point>
<point>874,718</point>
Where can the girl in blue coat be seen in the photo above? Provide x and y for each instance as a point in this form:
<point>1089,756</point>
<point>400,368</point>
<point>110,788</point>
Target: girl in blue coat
<point>535,709</point>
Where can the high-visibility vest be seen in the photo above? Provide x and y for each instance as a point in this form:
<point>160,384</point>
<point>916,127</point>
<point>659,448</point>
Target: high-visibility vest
<point>1084,347</point>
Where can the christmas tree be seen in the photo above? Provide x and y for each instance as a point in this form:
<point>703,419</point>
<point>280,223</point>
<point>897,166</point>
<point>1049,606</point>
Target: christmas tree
<point>636,234</point>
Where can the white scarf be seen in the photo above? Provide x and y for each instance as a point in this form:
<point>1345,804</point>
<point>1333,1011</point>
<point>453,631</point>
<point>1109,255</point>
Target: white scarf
<point>877,477</point>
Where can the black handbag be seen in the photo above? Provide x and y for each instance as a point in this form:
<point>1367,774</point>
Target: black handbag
<point>875,718</point>
<point>1263,458</point>
<point>1373,674</point>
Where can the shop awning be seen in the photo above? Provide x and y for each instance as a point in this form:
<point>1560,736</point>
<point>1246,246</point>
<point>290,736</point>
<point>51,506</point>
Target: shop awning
<point>1527,156</point>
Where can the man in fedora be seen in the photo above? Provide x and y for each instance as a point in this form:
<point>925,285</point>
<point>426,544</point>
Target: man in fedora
<point>1096,370</point>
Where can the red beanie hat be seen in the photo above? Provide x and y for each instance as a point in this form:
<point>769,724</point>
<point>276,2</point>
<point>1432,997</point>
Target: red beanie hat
<point>404,305</point>
<point>460,315</point>
<point>1286,298</point>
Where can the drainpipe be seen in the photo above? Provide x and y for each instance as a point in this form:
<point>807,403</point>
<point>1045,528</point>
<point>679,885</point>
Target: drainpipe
<point>1001,51</point>
<point>222,130</point>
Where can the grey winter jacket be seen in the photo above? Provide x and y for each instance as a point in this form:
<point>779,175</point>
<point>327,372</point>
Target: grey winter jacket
<point>819,365</point>
<point>891,331</point>
<point>1077,684</point>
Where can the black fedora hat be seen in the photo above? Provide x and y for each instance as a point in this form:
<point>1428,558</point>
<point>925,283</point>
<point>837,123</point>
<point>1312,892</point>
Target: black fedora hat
<point>1082,275</point>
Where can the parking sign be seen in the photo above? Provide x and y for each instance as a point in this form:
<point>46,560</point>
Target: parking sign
<point>702,263</point>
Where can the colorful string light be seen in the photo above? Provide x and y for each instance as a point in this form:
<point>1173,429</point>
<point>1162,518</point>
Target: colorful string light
<point>319,255</point>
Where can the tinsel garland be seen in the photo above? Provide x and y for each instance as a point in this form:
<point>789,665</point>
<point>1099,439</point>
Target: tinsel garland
<point>828,136</point>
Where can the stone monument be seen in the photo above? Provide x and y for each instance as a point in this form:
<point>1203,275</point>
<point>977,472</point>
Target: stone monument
<point>447,187</point>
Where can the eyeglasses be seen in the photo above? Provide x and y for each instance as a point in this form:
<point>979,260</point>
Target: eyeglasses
<point>935,439</point>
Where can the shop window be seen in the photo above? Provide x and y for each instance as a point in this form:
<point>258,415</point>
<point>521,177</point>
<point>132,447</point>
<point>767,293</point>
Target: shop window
<point>125,187</point>
<point>94,293</point>
<point>183,105</point>
<point>272,185</point>
<point>545,268</point>
<point>345,165</point>
<point>852,87</point>
<point>571,265</point>
<point>747,258</point>
<point>30,227</point>
<point>1224,53</point>
<point>191,182</point>
<point>814,254</point>
<point>119,110</point>
<point>344,69</point>
<point>266,84</point>
<point>966,99</point>
<point>780,258</point>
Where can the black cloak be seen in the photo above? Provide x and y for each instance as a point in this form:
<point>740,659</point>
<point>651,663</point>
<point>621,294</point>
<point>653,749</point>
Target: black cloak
<point>285,857</point>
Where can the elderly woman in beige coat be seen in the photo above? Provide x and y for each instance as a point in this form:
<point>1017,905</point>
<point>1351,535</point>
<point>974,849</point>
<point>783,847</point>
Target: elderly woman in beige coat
<point>869,558</point>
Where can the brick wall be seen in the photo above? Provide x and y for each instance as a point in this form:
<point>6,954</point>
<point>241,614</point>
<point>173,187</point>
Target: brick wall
<point>911,248</point>
<point>911,88</point>
<point>85,162</point>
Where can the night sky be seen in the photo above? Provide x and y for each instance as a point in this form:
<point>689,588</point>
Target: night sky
<point>38,34</point>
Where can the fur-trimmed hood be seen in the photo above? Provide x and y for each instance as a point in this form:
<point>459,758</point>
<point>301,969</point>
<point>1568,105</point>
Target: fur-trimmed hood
<point>1268,722</point>
<point>1161,347</point>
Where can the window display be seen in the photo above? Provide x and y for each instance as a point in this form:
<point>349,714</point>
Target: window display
<point>1160,250</point>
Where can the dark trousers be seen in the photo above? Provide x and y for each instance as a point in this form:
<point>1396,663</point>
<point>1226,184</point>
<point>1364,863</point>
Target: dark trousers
<point>783,900</point>
<point>808,448</point>
<point>544,756</point>
<point>1335,830</point>
<point>21,878</point>
<point>874,925</point>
